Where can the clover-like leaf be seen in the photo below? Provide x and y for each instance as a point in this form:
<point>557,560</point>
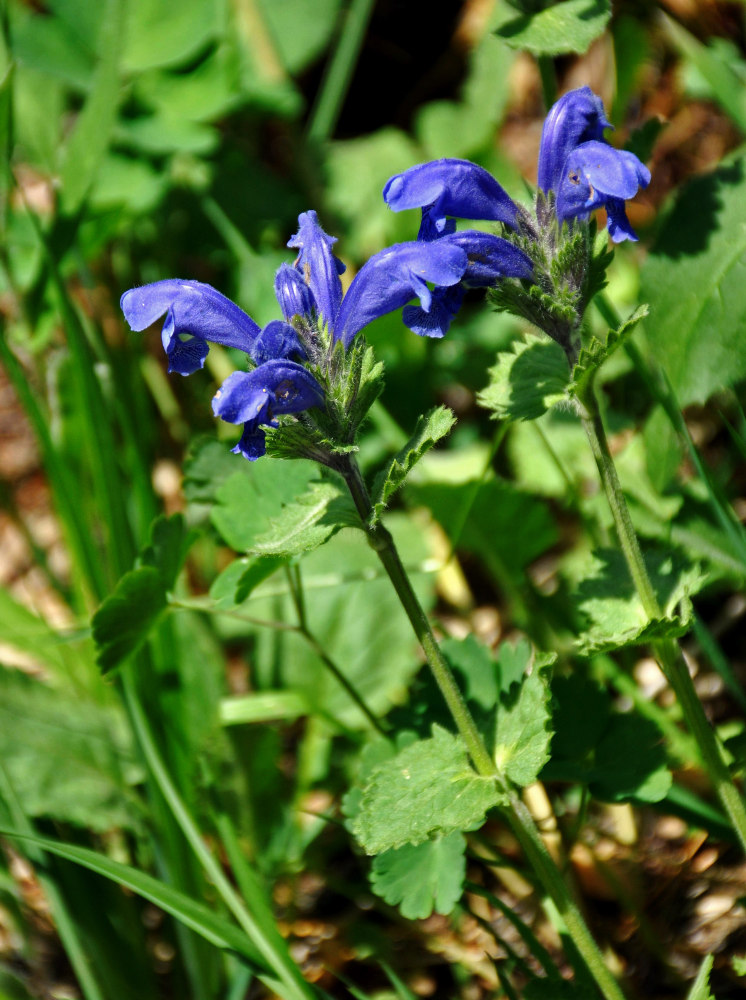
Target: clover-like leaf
<point>422,879</point>
<point>527,380</point>
<point>428,789</point>
<point>595,353</point>
<point>429,430</point>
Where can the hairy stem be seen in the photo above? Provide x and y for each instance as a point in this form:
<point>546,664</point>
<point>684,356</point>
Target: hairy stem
<point>666,651</point>
<point>518,816</point>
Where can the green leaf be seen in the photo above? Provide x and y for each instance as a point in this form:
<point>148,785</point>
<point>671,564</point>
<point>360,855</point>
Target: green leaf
<point>613,608</point>
<point>595,353</point>
<point>527,380</point>
<point>426,790</point>
<point>248,499</point>
<point>122,623</point>
<point>237,581</point>
<point>570,26</point>
<point>299,31</point>
<point>422,879</point>
<point>307,522</point>
<point>523,731</point>
<point>695,282</point>
<point>89,139</point>
<point>170,540</point>
<point>620,756</point>
<point>630,762</point>
<point>701,986</point>
<point>26,632</point>
<point>343,583</point>
<point>429,430</point>
<point>165,35</point>
<point>68,757</point>
<point>198,917</point>
<point>738,964</point>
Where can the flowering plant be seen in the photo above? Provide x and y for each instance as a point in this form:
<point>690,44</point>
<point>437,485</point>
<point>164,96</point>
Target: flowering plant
<point>578,172</point>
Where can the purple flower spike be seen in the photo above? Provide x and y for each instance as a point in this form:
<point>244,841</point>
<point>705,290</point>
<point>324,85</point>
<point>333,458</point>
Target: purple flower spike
<point>195,314</point>
<point>318,266</point>
<point>293,294</point>
<point>575,118</point>
<point>394,276</point>
<point>596,175</point>
<point>450,187</point>
<point>255,398</point>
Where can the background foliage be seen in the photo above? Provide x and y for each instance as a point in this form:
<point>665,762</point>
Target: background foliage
<point>143,140</point>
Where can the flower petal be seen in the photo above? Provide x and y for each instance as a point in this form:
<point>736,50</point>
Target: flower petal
<point>251,444</point>
<point>434,322</point>
<point>318,265</point>
<point>595,174</point>
<point>293,294</point>
<point>575,118</point>
<point>277,340</point>
<point>394,276</point>
<point>450,187</point>
<point>617,222</point>
<point>489,258</point>
<point>272,388</point>
<point>193,309</point>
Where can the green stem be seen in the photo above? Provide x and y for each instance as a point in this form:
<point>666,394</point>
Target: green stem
<point>666,651</point>
<point>540,860</point>
<point>339,72</point>
<point>519,817</point>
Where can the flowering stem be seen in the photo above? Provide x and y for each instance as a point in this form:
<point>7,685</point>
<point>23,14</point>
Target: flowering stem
<point>518,815</point>
<point>666,651</point>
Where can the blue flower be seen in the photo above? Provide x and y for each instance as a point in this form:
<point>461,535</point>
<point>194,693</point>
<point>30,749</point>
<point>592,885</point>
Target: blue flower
<point>446,188</point>
<point>585,172</point>
<point>575,163</point>
<point>575,118</point>
<point>386,282</point>
<point>449,187</point>
<point>316,317</point>
<point>257,397</point>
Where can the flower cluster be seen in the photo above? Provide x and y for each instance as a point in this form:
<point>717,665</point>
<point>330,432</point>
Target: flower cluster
<point>578,172</point>
<point>291,357</point>
<point>542,266</point>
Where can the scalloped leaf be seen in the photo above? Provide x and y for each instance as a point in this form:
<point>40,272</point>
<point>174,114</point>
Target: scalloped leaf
<point>523,730</point>
<point>570,26</point>
<point>422,879</point>
<point>430,429</point>
<point>428,789</point>
<point>594,354</point>
<point>527,380</point>
<point>616,617</point>
<point>307,522</point>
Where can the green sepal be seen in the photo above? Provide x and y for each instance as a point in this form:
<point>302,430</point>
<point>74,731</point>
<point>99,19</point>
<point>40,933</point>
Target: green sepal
<point>430,429</point>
